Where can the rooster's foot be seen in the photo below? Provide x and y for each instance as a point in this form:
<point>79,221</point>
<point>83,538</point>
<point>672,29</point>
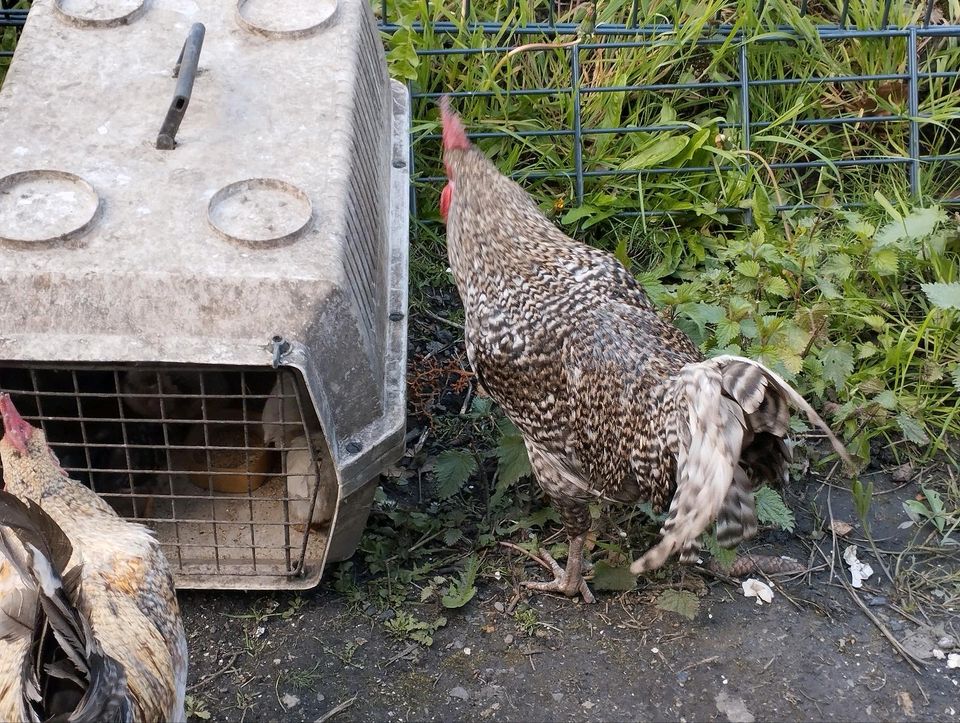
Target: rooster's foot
<point>569,581</point>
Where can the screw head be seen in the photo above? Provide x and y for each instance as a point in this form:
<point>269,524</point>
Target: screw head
<point>396,316</point>
<point>354,447</point>
<point>399,163</point>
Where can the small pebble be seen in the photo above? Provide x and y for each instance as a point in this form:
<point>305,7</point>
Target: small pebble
<point>508,640</point>
<point>877,601</point>
<point>588,704</point>
<point>459,692</point>
<point>947,642</point>
<point>498,606</point>
<point>558,697</point>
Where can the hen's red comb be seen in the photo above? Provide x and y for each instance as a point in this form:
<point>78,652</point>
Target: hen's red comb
<point>16,429</point>
<point>454,134</point>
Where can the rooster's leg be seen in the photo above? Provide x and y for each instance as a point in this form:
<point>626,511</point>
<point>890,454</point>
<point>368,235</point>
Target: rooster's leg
<point>568,581</point>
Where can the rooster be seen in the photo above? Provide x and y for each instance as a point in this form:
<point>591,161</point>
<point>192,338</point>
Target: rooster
<point>614,402</point>
<point>100,585</point>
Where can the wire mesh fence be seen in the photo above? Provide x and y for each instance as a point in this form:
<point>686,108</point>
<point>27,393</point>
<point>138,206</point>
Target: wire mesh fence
<point>631,108</point>
<point>647,109</point>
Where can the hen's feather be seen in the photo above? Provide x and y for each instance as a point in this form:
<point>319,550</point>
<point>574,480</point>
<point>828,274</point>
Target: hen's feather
<point>613,401</point>
<point>92,682</point>
<point>123,590</point>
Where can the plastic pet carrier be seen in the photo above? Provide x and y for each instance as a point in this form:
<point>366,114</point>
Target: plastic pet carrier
<point>203,270</point>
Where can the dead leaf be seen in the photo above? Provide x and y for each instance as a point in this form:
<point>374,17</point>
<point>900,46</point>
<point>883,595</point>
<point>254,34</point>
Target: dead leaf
<point>906,703</point>
<point>841,528</point>
<point>607,577</point>
<point>755,588</point>
<point>903,473</point>
<point>682,602</point>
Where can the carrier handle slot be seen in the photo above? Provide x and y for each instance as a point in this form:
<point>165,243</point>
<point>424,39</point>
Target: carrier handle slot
<point>185,72</point>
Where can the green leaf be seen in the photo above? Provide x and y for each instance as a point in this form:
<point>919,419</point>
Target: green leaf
<point>862,497</point>
<point>702,314</point>
<point>682,602</point>
<point>867,350</point>
<point>512,460</point>
<point>827,288</point>
<point>935,500</point>
<point>943,296</point>
<point>621,252</point>
<point>749,268</point>
<point>451,536</point>
<point>917,224</point>
<point>885,262</point>
<point>777,286</point>
<point>575,214</point>
<point>762,207</point>
<point>772,511</point>
<point>856,225</point>
<point>481,406</point>
<point>725,557</point>
<point>887,206</point>
<point>886,399</point>
<point>911,429</point>
<point>955,375</point>
<point>837,364</point>
<point>837,266</point>
<point>452,469</point>
<point>727,331</point>
<point>657,153</point>
<point>606,577</point>
<point>462,591</point>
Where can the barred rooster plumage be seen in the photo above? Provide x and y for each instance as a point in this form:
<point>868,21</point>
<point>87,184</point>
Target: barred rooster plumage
<point>613,401</point>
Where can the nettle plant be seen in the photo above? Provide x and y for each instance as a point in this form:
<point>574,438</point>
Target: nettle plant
<point>857,309</point>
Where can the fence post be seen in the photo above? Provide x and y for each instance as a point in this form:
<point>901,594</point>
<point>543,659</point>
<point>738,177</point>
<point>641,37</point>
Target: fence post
<point>413,183</point>
<point>577,137</point>
<point>913,109</point>
<point>745,112</point>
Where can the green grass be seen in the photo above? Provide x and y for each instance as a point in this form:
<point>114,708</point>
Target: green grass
<point>834,308</point>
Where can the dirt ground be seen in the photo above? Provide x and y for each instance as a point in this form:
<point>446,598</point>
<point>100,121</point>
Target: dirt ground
<point>811,654</point>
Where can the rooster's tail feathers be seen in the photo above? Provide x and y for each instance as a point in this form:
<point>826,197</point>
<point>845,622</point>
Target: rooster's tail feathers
<point>724,397</point>
<point>39,550</point>
<point>793,396</point>
<point>710,439</point>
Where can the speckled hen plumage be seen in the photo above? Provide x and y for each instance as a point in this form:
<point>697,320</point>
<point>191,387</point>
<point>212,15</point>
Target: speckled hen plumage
<point>613,401</point>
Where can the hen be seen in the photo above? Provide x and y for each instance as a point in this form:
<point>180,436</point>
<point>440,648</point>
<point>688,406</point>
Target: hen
<point>613,402</point>
<point>99,584</point>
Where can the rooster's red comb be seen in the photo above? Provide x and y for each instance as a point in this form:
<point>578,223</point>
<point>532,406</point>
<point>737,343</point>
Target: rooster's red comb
<point>454,134</point>
<point>16,429</point>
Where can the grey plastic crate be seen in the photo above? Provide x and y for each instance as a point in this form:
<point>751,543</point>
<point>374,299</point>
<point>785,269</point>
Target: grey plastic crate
<point>163,310</point>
